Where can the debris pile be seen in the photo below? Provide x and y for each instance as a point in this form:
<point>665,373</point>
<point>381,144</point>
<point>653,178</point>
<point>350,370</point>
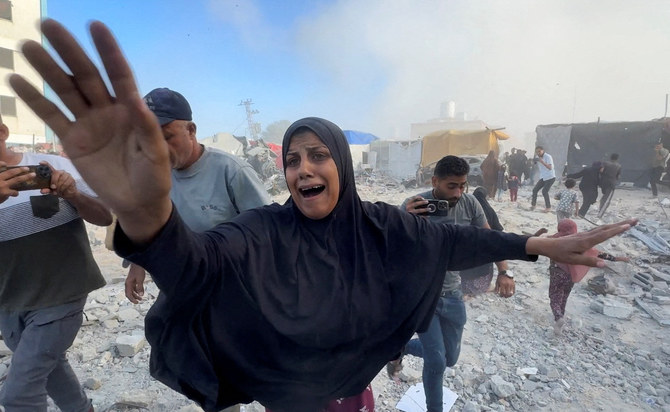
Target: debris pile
<point>614,353</point>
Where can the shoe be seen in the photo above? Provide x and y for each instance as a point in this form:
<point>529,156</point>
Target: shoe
<point>547,210</point>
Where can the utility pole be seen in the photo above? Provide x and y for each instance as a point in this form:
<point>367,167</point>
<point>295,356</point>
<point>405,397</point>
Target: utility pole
<point>254,127</point>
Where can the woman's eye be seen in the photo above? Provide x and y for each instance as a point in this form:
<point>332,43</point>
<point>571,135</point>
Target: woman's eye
<point>292,162</point>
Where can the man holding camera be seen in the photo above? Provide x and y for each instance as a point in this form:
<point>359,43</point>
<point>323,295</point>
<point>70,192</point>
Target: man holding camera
<point>46,274</point>
<point>545,165</point>
<point>440,344</point>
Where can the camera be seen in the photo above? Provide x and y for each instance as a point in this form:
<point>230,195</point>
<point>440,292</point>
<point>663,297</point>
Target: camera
<point>42,179</point>
<point>436,208</point>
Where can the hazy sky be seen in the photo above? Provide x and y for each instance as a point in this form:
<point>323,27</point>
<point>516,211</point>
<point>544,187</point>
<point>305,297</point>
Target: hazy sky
<point>379,65</point>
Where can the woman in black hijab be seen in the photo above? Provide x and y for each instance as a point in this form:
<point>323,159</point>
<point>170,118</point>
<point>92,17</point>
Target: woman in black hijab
<point>491,216</point>
<point>291,305</point>
<point>298,304</point>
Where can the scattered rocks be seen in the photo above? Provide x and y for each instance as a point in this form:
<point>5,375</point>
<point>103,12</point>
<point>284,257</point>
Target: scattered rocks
<point>510,359</point>
<point>612,308</point>
<point>92,383</point>
<point>129,345</point>
<point>501,388</point>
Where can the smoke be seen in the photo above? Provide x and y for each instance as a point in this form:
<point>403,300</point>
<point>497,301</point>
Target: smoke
<point>383,64</point>
<point>515,64</point>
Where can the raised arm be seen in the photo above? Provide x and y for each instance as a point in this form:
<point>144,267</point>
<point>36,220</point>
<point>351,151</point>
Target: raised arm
<point>570,249</point>
<point>115,141</point>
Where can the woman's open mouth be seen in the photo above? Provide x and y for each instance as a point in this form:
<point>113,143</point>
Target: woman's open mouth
<point>311,191</point>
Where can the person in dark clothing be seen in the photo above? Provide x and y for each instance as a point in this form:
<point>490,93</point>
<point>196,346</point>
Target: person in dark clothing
<point>590,178</point>
<point>491,215</point>
<point>490,167</point>
<point>609,177</point>
<point>658,161</point>
<point>292,305</point>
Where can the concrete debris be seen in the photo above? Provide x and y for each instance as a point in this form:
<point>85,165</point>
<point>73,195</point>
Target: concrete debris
<point>601,285</point>
<point>129,345</point>
<point>653,241</point>
<point>655,313</point>
<point>598,363</point>
<point>645,280</point>
<point>526,371</point>
<point>92,383</point>
<point>128,314</point>
<point>501,388</point>
<point>612,308</point>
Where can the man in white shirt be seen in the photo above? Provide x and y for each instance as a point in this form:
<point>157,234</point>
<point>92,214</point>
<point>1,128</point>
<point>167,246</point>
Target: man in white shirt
<point>545,164</point>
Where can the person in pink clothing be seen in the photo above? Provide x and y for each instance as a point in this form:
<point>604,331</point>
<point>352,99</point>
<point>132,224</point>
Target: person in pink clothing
<point>564,276</point>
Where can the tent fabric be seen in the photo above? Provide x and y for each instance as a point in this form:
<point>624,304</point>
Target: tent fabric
<point>633,141</point>
<point>355,137</point>
<point>584,143</point>
<point>459,142</point>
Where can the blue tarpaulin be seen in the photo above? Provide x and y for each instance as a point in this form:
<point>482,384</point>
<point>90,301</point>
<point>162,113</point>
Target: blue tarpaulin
<point>354,137</point>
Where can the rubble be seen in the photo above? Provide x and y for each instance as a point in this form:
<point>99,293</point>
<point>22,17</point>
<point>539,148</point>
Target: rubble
<point>613,308</point>
<point>510,358</point>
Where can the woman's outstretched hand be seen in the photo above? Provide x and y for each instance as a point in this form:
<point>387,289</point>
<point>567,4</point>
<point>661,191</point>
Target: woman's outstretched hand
<point>114,141</point>
<point>570,249</point>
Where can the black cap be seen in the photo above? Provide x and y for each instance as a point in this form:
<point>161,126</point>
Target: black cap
<point>168,105</point>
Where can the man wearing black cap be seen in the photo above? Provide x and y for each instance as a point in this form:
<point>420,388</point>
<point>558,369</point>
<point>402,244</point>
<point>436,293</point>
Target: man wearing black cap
<point>209,186</point>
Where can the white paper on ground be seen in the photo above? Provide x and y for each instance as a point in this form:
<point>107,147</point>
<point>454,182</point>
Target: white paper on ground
<point>414,400</point>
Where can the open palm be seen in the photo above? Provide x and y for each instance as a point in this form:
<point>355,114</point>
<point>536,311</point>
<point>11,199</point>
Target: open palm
<point>114,141</point>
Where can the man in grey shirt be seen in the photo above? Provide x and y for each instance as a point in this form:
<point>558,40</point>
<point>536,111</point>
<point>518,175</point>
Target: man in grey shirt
<point>440,344</point>
<point>209,186</point>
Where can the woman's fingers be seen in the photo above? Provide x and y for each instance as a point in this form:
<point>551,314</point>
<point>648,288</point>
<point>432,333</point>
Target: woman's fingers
<point>605,232</point>
<point>86,77</point>
<point>43,108</point>
<point>62,83</point>
<point>116,65</point>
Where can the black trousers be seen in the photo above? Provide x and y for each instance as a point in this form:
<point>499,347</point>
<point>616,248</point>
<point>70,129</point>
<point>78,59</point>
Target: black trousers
<point>589,197</point>
<point>545,185</point>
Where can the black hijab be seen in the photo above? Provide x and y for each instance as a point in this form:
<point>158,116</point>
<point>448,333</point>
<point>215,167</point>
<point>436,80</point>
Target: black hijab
<point>294,312</point>
<point>491,216</point>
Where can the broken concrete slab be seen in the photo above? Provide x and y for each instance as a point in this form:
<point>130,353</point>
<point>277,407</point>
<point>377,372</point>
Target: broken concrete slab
<point>653,312</point>
<point>129,345</point>
<point>612,308</point>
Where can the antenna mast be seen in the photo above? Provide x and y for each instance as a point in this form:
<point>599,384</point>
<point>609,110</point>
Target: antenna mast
<point>253,126</point>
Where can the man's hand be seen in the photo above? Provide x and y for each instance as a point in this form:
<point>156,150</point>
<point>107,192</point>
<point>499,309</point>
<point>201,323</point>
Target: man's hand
<point>571,249</point>
<point>114,141</point>
<point>62,183</point>
<point>504,286</point>
<point>416,205</point>
<point>135,283</point>
<point>10,178</point>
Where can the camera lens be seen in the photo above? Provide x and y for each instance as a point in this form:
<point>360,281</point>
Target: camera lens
<point>431,208</point>
<point>43,171</point>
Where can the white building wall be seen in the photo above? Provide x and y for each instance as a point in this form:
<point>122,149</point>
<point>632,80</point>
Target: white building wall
<point>26,15</point>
